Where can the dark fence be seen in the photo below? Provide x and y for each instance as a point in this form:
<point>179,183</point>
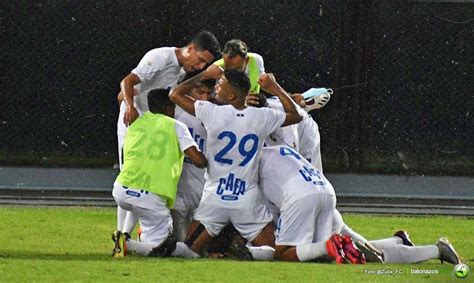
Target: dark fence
<point>401,72</point>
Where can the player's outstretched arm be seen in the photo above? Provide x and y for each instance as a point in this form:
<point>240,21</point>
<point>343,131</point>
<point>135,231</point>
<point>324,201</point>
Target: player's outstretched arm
<point>268,82</point>
<point>126,87</point>
<point>179,94</point>
<point>198,159</point>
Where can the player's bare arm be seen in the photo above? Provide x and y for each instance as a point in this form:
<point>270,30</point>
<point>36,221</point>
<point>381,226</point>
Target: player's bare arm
<point>214,72</point>
<point>126,87</point>
<point>197,157</point>
<point>179,94</point>
<point>119,98</point>
<point>268,82</point>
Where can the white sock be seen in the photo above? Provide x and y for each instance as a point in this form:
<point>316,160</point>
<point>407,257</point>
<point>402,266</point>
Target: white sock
<point>140,248</point>
<point>262,252</point>
<point>184,251</point>
<point>311,251</point>
<point>129,222</point>
<point>407,254</point>
<point>387,243</point>
<point>346,230</point>
<point>121,214</point>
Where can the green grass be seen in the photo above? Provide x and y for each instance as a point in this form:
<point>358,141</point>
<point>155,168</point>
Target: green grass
<point>73,244</point>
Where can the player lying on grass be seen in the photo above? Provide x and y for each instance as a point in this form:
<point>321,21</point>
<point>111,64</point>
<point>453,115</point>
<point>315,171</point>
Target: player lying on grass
<point>235,138</point>
<point>147,183</point>
<point>399,248</point>
<point>305,201</point>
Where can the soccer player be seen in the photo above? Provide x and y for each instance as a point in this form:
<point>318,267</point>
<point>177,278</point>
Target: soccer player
<point>191,183</point>
<point>160,68</point>
<point>235,137</point>
<point>235,56</point>
<point>147,184</point>
<point>306,202</point>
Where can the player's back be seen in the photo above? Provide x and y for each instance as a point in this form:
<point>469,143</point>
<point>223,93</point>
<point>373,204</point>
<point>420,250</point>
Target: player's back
<point>285,176</point>
<point>191,183</point>
<point>235,138</point>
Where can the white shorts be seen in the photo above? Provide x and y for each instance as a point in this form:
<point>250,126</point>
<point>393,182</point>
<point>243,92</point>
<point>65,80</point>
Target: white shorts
<point>251,216</point>
<point>307,220</point>
<point>149,208</point>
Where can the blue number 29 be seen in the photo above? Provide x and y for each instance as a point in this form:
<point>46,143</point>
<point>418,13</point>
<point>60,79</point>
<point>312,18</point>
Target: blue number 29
<point>248,154</point>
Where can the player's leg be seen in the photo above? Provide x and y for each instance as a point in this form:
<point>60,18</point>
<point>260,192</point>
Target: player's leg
<point>129,223</point>
<point>121,131</point>
<point>296,229</point>
<point>443,250</point>
<point>253,221</point>
<point>122,208</point>
<point>209,220</point>
<point>340,227</point>
<point>156,225</point>
<point>154,216</point>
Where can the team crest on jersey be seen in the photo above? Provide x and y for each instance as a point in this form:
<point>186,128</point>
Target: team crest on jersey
<point>230,188</point>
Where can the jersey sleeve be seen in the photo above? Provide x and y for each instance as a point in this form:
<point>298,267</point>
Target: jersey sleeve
<point>184,136</point>
<point>273,119</point>
<point>204,111</point>
<point>219,63</point>
<point>153,61</point>
<point>260,64</point>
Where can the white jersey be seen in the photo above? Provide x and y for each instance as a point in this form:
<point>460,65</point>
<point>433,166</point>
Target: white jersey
<point>285,176</point>
<point>284,135</point>
<point>304,136</point>
<point>158,69</point>
<point>235,138</point>
<point>191,182</point>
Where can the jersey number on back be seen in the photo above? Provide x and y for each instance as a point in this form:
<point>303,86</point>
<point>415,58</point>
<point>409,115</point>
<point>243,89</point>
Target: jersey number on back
<point>250,140</point>
<point>308,174</point>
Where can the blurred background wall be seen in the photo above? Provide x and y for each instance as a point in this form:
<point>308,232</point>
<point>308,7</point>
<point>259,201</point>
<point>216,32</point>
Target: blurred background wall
<point>402,74</point>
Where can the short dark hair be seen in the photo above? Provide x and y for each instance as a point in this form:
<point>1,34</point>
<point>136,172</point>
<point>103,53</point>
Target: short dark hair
<point>239,81</point>
<point>210,83</point>
<point>235,47</point>
<point>158,100</point>
<point>206,40</point>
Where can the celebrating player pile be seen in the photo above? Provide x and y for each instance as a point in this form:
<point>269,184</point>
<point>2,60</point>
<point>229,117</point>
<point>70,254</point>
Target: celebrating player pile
<point>257,160</point>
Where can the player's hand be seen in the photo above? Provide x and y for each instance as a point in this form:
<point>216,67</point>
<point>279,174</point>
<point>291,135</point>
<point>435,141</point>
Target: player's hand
<point>299,99</point>
<point>212,72</point>
<point>131,114</point>
<point>252,100</point>
<point>267,80</point>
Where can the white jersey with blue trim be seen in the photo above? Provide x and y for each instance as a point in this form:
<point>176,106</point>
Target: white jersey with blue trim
<point>159,68</point>
<point>285,176</point>
<point>304,136</point>
<point>234,141</point>
<point>191,182</point>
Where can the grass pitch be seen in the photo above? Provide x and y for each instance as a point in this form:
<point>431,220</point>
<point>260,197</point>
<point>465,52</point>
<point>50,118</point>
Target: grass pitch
<point>73,244</point>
